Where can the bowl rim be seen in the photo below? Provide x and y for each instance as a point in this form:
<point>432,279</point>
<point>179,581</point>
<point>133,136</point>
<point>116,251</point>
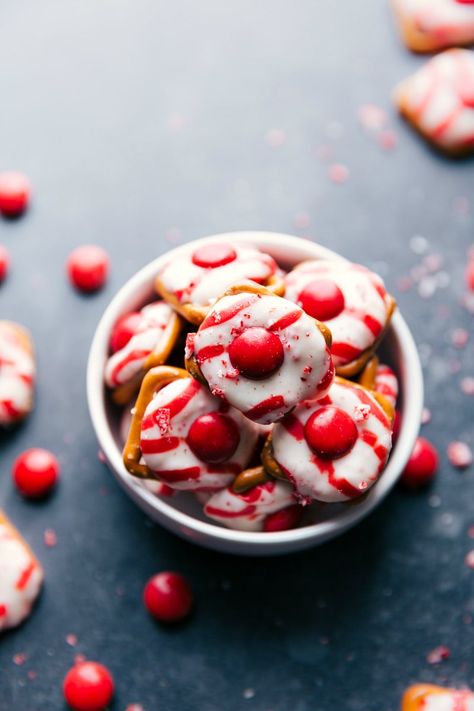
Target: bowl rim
<point>187,524</point>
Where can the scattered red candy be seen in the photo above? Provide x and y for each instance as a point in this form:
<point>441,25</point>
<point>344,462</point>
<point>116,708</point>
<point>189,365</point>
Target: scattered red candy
<point>322,299</point>
<point>213,437</point>
<point>124,330</point>
<point>4,262</point>
<point>214,255</point>
<point>330,432</point>
<point>283,520</point>
<point>438,654</point>
<point>15,193</point>
<point>168,597</point>
<point>422,465</point>
<point>470,274</point>
<point>459,454</point>
<point>88,686</point>
<point>88,267</point>
<point>35,472</point>
<point>256,353</point>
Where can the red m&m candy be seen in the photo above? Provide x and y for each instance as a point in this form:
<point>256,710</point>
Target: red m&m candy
<point>257,353</point>
<point>168,597</point>
<point>214,255</point>
<point>88,686</point>
<point>4,262</point>
<point>88,267</point>
<point>322,299</point>
<point>330,432</point>
<point>213,437</point>
<point>35,472</point>
<point>283,520</point>
<point>124,330</point>
<point>15,193</point>
<point>422,465</point>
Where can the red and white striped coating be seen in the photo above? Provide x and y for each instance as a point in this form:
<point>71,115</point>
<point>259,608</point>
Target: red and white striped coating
<point>151,336</point>
<point>366,304</point>
<point>349,476</point>
<point>386,383</point>
<point>21,577</point>
<point>199,285</point>
<point>445,23</point>
<point>306,371</point>
<point>165,426</point>
<point>428,697</point>
<point>248,511</point>
<point>439,99</point>
<point>17,375</point>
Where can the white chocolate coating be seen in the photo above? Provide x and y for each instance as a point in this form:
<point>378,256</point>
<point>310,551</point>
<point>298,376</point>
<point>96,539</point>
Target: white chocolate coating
<point>151,336</point>
<point>17,375</point>
<point>366,304</point>
<point>439,99</point>
<point>386,383</point>
<point>247,512</point>
<point>349,476</point>
<point>190,283</point>
<point>306,370</point>
<point>165,426</point>
<point>21,577</point>
<point>445,23</point>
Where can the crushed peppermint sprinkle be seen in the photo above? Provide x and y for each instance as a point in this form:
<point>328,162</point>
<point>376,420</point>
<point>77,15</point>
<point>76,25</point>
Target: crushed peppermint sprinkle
<point>438,654</point>
<point>71,640</point>
<point>32,674</point>
<point>469,560</point>
<point>248,693</point>
<point>467,385</point>
<point>387,139</point>
<point>425,416</point>
<point>19,659</point>
<point>50,537</point>
<point>361,412</point>
<point>101,456</point>
<point>459,454</point>
<point>338,173</point>
<point>135,707</point>
<point>372,117</point>
<point>301,220</point>
<point>459,337</point>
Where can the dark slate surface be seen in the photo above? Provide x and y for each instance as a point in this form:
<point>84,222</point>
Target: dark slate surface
<point>145,123</point>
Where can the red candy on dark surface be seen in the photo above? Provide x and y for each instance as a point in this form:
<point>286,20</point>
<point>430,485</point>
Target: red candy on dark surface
<point>214,255</point>
<point>470,274</point>
<point>422,465</point>
<point>15,192</point>
<point>256,353</point>
<point>35,472</point>
<point>4,262</point>
<point>322,299</point>
<point>213,437</point>
<point>168,597</point>
<point>330,432</point>
<point>88,686</point>
<point>88,267</point>
<point>283,520</point>
<point>124,330</point>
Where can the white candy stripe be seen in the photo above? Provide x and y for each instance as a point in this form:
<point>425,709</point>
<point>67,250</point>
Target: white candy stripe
<point>247,512</point>
<point>20,578</point>
<point>306,361</point>
<point>365,302</point>
<point>151,336</point>
<point>386,383</point>
<point>184,471</point>
<point>17,376</point>
<point>197,285</point>
<point>445,23</point>
<point>350,475</point>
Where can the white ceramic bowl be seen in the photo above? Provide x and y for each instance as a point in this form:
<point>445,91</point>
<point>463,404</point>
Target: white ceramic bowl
<point>182,514</point>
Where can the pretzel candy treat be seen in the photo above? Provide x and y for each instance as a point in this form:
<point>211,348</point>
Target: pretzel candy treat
<point>17,373</point>
<point>334,449</point>
<point>187,438</point>
<point>192,283</point>
<point>351,300</point>
<point>381,379</point>
<point>260,353</point>
<point>21,576</point>
<point>438,100</point>
<point>248,510</point>
<point>154,333</point>
<point>428,697</point>
<point>431,25</point>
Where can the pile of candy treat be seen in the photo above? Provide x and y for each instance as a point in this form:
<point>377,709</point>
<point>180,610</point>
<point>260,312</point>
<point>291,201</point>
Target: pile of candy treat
<point>258,390</point>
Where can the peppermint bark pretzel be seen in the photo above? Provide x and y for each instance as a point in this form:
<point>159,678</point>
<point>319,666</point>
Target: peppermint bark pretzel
<point>428,697</point>
<point>260,353</point>
<point>431,25</point>
<point>382,381</point>
<point>438,100</point>
<point>333,449</point>
<point>185,437</point>
<point>21,576</point>
<point>17,373</point>
<point>192,283</point>
<point>351,300</point>
<point>156,329</point>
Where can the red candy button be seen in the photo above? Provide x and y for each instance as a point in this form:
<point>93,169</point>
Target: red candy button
<point>256,353</point>
<point>213,437</point>
<point>88,267</point>
<point>322,299</point>
<point>88,686</point>
<point>125,328</point>
<point>214,255</point>
<point>35,472</point>
<point>4,262</point>
<point>421,466</point>
<point>168,597</point>
<point>14,193</point>
<point>330,432</point>
<point>283,520</point>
